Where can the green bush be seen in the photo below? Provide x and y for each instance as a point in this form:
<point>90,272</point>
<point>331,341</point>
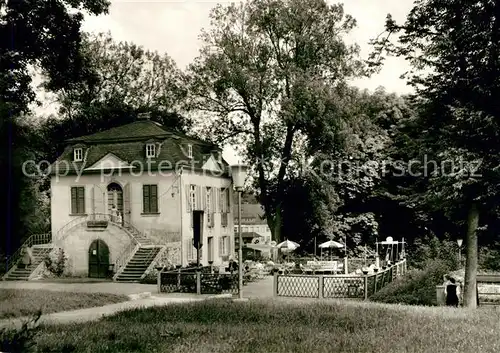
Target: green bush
<point>20,340</point>
<point>431,248</point>
<point>417,287</point>
<point>56,263</point>
<point>489,259</point>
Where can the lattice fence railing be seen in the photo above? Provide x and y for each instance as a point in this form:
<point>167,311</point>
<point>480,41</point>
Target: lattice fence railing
<point>336,286</point>
<point>197,282</point>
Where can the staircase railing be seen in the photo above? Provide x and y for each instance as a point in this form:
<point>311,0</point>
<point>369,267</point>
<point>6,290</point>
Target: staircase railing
<point>125,257</point>
<point>133,231</point>
<point>62,233</point>
<point>35,239</point>
<point>154,261</point>
<point>129,228</point>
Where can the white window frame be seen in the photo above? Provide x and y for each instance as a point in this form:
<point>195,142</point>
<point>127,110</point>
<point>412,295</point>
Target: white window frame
<point>192,196</point>
<point>78,154</point>
<point>190,151</point>
<point>150,150</point>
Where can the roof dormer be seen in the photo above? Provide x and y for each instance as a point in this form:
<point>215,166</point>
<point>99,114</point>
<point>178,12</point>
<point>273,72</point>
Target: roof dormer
<point>78,152</point>
<point>150,150</point>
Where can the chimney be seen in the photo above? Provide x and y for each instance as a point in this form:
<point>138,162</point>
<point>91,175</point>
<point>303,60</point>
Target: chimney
<point>144,116</point>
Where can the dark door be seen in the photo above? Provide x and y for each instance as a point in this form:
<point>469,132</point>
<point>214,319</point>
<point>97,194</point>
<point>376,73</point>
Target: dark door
<point>98,259</point>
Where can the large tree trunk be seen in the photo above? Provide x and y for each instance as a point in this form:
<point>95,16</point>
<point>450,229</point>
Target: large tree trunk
<point>470,294</point>
<point>277,225</point>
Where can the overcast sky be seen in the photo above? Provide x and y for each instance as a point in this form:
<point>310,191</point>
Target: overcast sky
<point>173,27</point>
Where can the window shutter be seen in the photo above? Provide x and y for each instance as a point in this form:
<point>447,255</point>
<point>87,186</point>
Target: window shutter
<point>154,198</point>
<point>189,249</point>
<point>92,199</point>
<point>229,200</point>
<point>198,198</point>
<point>221,246</point>
<point>188,198</point>
<point>73,201</point>
<point>145,195</point>
<point>214,204</point>
<point>213,200</point>
<point>221,200</point>
<point>126,203</point>
<point>81,200</point>
<point>203,197</point>
<point>215,208</point>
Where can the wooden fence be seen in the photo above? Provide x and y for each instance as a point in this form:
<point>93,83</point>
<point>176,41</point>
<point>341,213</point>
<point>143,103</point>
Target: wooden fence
<point>336,286</point>
<point>488,294</point>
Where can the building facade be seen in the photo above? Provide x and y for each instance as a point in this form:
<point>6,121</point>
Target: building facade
<point>255,232</point>
<point>126,195</point>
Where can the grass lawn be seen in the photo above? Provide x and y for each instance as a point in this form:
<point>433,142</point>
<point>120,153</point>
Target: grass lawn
<point>22,302</point>
<point>281,326</point>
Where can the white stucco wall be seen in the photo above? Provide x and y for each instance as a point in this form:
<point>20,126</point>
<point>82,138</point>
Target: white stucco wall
<point>206,180</point>
<point>172,219</point>
<point>163,224</point>
<point>76,246</point>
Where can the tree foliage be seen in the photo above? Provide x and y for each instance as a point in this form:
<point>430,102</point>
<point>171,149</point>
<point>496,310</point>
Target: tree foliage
<point>267,78</point>
<point>122,80</point>
<point>457,42</point>
<point>43,35</point>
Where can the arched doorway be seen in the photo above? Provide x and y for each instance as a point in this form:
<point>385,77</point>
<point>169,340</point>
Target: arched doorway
<point>115,198</point>
<point>98,259</point>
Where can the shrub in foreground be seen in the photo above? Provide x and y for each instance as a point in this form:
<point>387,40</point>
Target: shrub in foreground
<point>417,287</point>
<point>20,340</point>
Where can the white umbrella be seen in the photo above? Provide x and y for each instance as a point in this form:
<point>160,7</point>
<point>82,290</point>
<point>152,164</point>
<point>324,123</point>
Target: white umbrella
<point>287,245</point>
<point>331,244</point>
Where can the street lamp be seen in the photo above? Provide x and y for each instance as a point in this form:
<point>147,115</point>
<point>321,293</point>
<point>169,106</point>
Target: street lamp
<point>459,242</point>
<point>239,174</point>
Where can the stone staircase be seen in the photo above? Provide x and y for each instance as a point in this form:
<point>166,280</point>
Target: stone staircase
<point>138,264</point>
<point>23,274</point>
<point>143,240</point>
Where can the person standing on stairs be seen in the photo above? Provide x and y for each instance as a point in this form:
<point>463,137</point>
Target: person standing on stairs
<point>114,212</point>
<point>26,257</point>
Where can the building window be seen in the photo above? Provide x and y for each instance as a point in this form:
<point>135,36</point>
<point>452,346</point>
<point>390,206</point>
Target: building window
<point>78,154</point>
<point>190,151</point>
<point>78,200</point>
<point>150,150</point>
<point>190,250</point>
<point>150,198</point>
<point>192,196</point>
<point>224,246</point>
<point>224,219</point>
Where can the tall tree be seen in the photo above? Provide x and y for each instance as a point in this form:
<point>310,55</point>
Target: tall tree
<point>267,78</point>
<point>44,34</point>
<point>121,80</point>
<point>458,43</point>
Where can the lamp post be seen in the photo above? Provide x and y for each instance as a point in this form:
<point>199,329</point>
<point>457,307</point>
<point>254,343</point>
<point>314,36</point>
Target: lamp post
<point>239,174</point>
<point>459,242</point>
